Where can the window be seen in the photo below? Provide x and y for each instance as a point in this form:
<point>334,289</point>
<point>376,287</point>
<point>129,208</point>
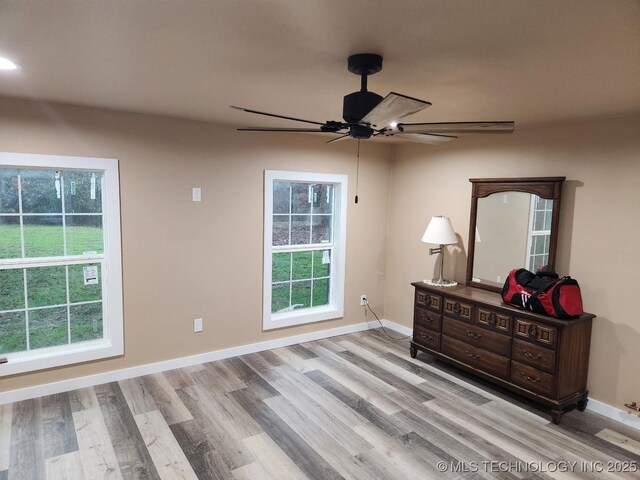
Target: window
<point>60,271</point>
<point>304,247</point>
<point>540,216</point>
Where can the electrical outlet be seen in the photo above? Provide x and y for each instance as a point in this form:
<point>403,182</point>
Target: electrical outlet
<point>363,300</point>
<point>197,325</point>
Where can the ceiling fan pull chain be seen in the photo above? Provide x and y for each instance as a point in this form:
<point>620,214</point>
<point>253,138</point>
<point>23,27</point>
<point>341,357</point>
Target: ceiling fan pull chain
<point>357,170</point>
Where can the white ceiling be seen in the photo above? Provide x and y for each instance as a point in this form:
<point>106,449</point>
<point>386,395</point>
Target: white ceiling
<point>530,61</point>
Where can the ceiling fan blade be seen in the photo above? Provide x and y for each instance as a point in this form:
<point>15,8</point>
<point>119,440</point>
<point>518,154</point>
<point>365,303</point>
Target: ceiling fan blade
<point>338,139</point>
<point>269,129</point>
<point>392,108</point>
<point>423,138</point>
<point>274,115</point>
<point>458,128</point>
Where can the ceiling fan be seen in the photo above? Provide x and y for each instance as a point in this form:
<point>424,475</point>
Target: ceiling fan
<point>366,114</point>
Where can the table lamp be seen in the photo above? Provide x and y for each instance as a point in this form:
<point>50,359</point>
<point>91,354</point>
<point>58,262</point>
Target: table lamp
<point>440,232</point>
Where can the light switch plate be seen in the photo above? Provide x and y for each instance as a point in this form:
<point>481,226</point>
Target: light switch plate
<point>196,194</point>
<point>197,325</point>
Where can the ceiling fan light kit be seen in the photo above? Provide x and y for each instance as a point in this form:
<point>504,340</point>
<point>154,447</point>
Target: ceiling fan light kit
<point>367,114</point>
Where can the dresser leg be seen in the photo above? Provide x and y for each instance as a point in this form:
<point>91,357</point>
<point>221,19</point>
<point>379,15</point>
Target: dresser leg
<point>582,404</point>
<point>556,416</point>
<point>413,351</point>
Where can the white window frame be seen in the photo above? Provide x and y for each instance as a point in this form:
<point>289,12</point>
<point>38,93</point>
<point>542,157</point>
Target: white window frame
<point>535,233</point>
<point>335,308</point>
<point>112,343</point>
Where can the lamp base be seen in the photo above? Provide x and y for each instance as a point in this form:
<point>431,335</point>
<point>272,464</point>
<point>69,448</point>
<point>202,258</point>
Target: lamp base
<point>437,282</point>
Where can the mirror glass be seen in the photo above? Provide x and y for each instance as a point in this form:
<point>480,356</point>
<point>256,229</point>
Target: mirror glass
<point>513,230</point>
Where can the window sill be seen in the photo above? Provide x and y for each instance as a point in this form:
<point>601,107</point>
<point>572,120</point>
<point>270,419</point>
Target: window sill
<point>56,356</point>
<point>301,317</point>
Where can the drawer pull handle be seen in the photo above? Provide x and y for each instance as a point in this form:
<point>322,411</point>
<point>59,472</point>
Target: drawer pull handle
<point>427,300</point>
<point>427,337</point>
<point>531,379</point>
<point>493,319</point>
<point>457,308</point>
<point>471,355</point>
<point>533,331</point>
<point>533,356</point>
<point>425,318</point>
<point>473,335</point>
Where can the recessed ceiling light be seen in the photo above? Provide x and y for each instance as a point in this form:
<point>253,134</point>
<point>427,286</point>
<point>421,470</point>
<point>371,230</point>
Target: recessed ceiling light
<point>393,124</point>
<point>6,64</point>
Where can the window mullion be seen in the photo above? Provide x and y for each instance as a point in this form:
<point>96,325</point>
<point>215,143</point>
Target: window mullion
<point>26,308</point>
<point>290,277</point>
<point>311,214</point>
<point>290,213</point>
<point>301,247</point>
<point>66,280</point>
<point>50,261</point>
<point>64,219</point>
<point>22,251</point>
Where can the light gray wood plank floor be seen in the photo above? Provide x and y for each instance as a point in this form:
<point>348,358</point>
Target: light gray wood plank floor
<point>350,407</point>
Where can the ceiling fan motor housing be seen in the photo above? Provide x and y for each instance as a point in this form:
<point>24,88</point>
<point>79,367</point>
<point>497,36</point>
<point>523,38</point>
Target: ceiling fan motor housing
<point>357,104</point>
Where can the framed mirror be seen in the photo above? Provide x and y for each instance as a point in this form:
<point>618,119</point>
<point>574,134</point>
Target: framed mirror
<point>514,224</point>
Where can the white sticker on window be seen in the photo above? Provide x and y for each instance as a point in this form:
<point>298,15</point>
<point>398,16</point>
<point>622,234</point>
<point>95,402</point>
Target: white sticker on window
<point>57,184</point>
<point>93,186</point>
<point>325,257</point>
<point>90,275</point>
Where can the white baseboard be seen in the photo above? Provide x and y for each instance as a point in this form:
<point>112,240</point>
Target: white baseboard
<point>125,373</point>
<point>397,327</point>
<point>630,419</point>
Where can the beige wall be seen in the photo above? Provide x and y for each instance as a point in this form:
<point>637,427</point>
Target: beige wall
<point>599,229</point>
<point>183,260</point>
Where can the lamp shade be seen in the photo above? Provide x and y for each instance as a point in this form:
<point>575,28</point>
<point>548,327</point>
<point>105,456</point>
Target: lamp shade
<point>440,232</point>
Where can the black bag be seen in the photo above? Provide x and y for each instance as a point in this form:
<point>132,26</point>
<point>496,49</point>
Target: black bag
<point>544,293</point>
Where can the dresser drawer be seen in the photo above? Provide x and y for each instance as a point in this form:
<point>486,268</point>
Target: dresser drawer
<point>532,379</point>
<point>458,310</point>
<point>476,357</point>
<point>494,320</point>
<point>533,331</point>
<point>426,338</point>
<point>428,301</point>
<point>534,356</point>
<point>478,337</point>
<point>427,319</point>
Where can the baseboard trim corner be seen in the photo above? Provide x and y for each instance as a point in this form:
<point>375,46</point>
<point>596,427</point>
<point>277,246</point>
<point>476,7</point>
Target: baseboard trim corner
<point>396,327</point>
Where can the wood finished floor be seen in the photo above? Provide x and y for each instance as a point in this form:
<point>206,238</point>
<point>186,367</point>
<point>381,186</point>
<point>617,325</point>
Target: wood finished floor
<point>354,407</point>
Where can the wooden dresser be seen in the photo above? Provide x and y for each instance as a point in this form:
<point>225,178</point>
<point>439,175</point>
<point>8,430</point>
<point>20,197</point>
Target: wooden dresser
<point>539,357</point>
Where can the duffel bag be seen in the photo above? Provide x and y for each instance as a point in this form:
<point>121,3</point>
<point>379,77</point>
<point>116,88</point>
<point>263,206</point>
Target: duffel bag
<point>544,293</point>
